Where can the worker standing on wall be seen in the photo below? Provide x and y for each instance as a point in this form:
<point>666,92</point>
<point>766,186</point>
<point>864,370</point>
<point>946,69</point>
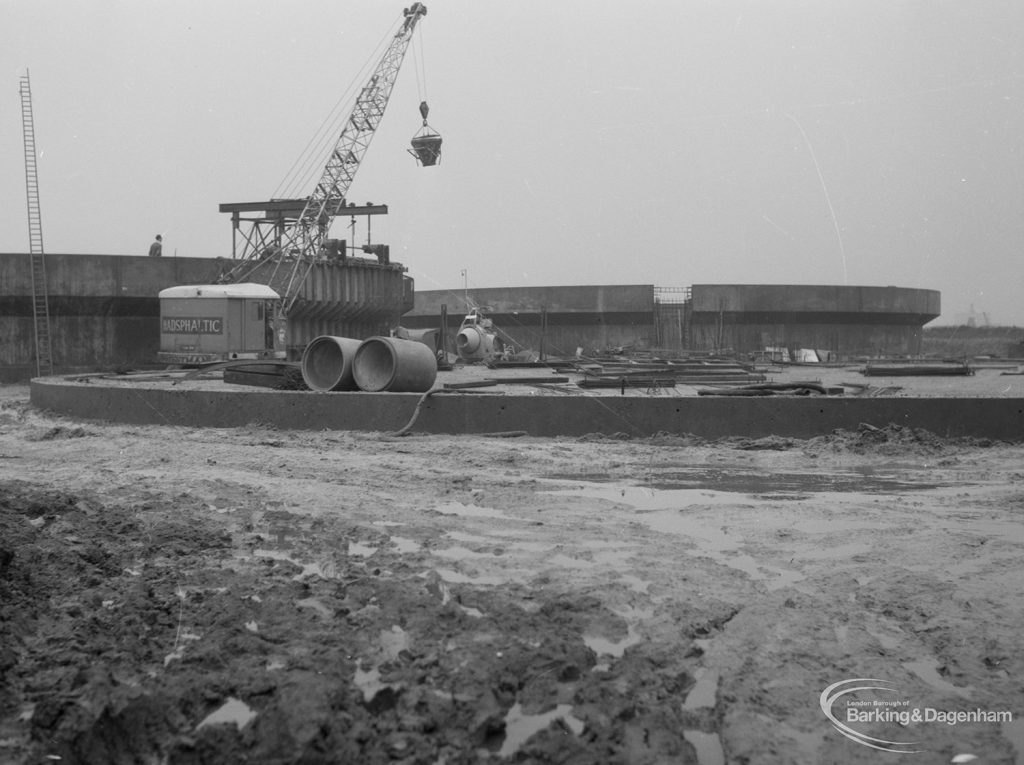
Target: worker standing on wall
<point>157,248</point>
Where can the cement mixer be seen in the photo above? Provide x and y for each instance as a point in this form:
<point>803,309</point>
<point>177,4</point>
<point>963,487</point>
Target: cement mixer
<point>477,339</point>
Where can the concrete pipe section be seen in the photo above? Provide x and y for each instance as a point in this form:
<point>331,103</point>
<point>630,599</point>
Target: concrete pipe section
<point>327,363</point>
<point>393,364</point>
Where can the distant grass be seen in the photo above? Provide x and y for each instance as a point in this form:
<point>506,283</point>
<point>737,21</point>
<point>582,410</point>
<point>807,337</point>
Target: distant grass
<point>960,341</point>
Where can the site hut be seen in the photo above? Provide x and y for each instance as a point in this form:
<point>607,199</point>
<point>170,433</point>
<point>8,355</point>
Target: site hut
<point>205,323</point>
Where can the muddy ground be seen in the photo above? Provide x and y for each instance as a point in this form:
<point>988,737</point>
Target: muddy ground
<point>215,596</point>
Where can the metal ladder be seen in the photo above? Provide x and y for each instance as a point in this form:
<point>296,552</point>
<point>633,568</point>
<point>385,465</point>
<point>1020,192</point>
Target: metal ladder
<point>40,302</point>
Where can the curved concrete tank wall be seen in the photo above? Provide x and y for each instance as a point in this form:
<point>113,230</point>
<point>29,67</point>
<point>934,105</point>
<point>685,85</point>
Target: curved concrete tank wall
<point>357,298</point>
<point>741,319</point>
<point>592,316</point>
<point>845,320</point>
<point>104,310</point>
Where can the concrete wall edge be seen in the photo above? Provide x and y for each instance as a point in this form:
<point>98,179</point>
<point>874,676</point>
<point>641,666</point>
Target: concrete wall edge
<point>546,416</point>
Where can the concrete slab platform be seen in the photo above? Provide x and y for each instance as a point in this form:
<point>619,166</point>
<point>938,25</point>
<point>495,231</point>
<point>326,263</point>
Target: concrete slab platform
<point>536,410</point>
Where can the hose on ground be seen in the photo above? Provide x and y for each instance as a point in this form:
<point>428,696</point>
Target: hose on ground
<point>405,430</point>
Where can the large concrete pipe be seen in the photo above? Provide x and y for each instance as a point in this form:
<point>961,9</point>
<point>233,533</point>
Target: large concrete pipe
<point>392,364</point>
<point>327,363</point>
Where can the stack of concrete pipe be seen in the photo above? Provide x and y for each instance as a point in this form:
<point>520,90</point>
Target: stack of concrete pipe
<point>376,364</point>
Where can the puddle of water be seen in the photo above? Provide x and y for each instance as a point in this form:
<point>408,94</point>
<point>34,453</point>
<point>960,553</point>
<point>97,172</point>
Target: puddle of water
<point>599,544</point>
<point>705,693</point>
<point>519,727</point>
<point>836,553</point>
<point>461,536</point>
<point>646,498</point>
<point>1006,531</point>
<point>675,522</point>
<point>454,577</point>
<point>315,604</point>
<point>446,596</point>
<point>719,546</point>
<point>560,559</point>
<point>360,550</point>
<point>468,511</point>
<point>460,553</point>
<point>830,525</point>
<point>259,552</point>
<point>394,641</point>
<point>538,547</point>
<point>1014,733</point>
<point>602,646</point>
<point>743,480</point>
<point>464,553</point>
<point>368,682</point>
<point>308,569</point>
<point>889,641</point>
<point>926,670</point>
<point>707,746</point>
<point>232,711</point>
<point>662,514</point>
<point>404,545</point>
<point>605,647</point>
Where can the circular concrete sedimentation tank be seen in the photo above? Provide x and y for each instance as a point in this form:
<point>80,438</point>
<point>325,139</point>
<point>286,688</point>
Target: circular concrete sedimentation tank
<point>844,321</point>
<point>104,309</point>
<point>837,322</point>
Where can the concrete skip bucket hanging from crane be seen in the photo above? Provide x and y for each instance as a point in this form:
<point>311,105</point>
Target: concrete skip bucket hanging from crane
<point>426,144</point>
<point>376,364</point>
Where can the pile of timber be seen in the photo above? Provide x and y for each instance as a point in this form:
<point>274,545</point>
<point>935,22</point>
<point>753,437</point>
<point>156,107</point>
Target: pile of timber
<point>911,369</point>
<point>279,375</point>
<point>639,381</point>
<point>775,389</point>
<point>616,371</point>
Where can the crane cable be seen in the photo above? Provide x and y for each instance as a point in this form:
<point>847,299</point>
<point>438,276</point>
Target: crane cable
<point>420,66</point>
<point>310,161</point>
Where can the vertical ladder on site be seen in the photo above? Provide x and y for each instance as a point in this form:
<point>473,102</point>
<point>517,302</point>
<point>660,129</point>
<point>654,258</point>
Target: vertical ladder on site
<point>40,301</point>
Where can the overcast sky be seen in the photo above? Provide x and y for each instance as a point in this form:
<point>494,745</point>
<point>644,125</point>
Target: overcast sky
<point>665,142</point>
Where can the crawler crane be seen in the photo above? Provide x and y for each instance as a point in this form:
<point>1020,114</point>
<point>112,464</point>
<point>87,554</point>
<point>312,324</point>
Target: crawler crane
<point>290,236</point>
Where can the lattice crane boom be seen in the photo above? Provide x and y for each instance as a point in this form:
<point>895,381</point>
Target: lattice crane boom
<point>329,194</point>
<point>302,241</point>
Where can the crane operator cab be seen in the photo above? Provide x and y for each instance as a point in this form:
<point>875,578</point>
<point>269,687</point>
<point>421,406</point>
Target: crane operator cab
<point>209,323</point>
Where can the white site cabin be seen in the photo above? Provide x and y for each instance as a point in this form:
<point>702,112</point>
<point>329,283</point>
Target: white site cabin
<point>209,323</point>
